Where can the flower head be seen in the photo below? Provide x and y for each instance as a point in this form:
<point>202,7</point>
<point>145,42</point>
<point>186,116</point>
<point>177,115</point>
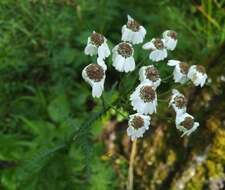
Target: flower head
<point>178,101</point>
<point>185,123</point>
<point>133,32</point>
<point>137,125</point>
<point>122,58</point>
<point>197,74</point>
<point>94,74</point>
<point>96,44</point>
<point>150,74</point>
<point>170,37</point>
<point>157,49</point>
<point>180,71</point>
<point>144,99</point>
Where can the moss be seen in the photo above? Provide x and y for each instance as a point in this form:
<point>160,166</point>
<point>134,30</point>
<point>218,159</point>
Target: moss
<point>197,181</point>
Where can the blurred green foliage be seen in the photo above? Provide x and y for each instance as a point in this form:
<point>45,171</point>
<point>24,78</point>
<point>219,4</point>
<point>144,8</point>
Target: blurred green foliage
<point>50,127</point>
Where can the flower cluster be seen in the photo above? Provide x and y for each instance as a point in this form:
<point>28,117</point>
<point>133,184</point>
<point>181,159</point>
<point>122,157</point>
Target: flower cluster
<point>144,97</point>
<point>184,121</point>
<point>94,73</point>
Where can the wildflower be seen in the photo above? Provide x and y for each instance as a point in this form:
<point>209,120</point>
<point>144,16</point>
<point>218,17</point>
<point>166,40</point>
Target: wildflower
<point>157,49</point>
<point>133,32</point>
<point>122,57</point>
<point>178,101</point>
<point>180,71</point>
<point>197,74</point>
<point>150,74</point>
<point>94,74</point>
<point>170,37</point>
<point>137,125</point>
<point>144,99</point>
<point>96,44</point>
<point>185,123</point>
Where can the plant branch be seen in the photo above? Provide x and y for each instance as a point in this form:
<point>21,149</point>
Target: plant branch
<point>130,182</point>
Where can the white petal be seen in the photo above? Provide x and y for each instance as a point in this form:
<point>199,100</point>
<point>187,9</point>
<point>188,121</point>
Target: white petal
<point>119,62</point>
<point>175,91</point>
<point>179,111</point>
<point>181,116</point>
<point>143,32</point>
<point>103,51</point>
<point>97,89</point>
<point>137,38</point>
<point>84,74</point>
<point>157,83</point>
<point>142,76</point>
<point>137,105</point>
<point>127,34</point>
<point>149,45</point>
<point>178,76</point>
<point>85,77</point>
<point>158,55</point>
<point>107,50</point>
<point>129,64</point>
<point>129,130</point>
<point>165,34</point>
<point>196,77</point>
<point>170,43</point>
<point>173,62</point>
<point>148,109</point>
<point>203,80</point>
<point>90,49</point>
<point>191,71</point>
<point>129,18</point>
<point>101,62</point>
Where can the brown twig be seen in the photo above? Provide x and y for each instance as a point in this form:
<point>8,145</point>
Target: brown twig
<point>130,181</point>
<point>208,17</point>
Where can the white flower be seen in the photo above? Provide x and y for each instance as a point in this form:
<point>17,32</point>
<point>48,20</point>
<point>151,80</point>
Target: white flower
<point>178,101</point>
<point>197,74</point>
<point>122,57</point>
<point>185,123</point>
<point>137,125</point>
<point>144,99</point>
<point>157,49</point>
<point>133,32</point>
<point>150,74</point>
<point>170,37</point>
<point>96,44</point>
<point>180,71</point>
<point>94,74</point>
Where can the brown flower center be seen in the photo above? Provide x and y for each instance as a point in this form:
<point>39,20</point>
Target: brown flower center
<point>172,34</point>
<point>125,49</point>
<point>137,122</point>
<point>180,101</point>
<point>95,72</point>
<point>188,123</point>
<point>133,25</point>
<point>158,43</point>
<point>200,69</point>
<point>97,39</point>
<point>152,74</point>
<point>183,68</point>
<point>147,93</point>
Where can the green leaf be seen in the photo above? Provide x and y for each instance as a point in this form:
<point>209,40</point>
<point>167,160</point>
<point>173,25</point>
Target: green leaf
<point>59,109</point>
